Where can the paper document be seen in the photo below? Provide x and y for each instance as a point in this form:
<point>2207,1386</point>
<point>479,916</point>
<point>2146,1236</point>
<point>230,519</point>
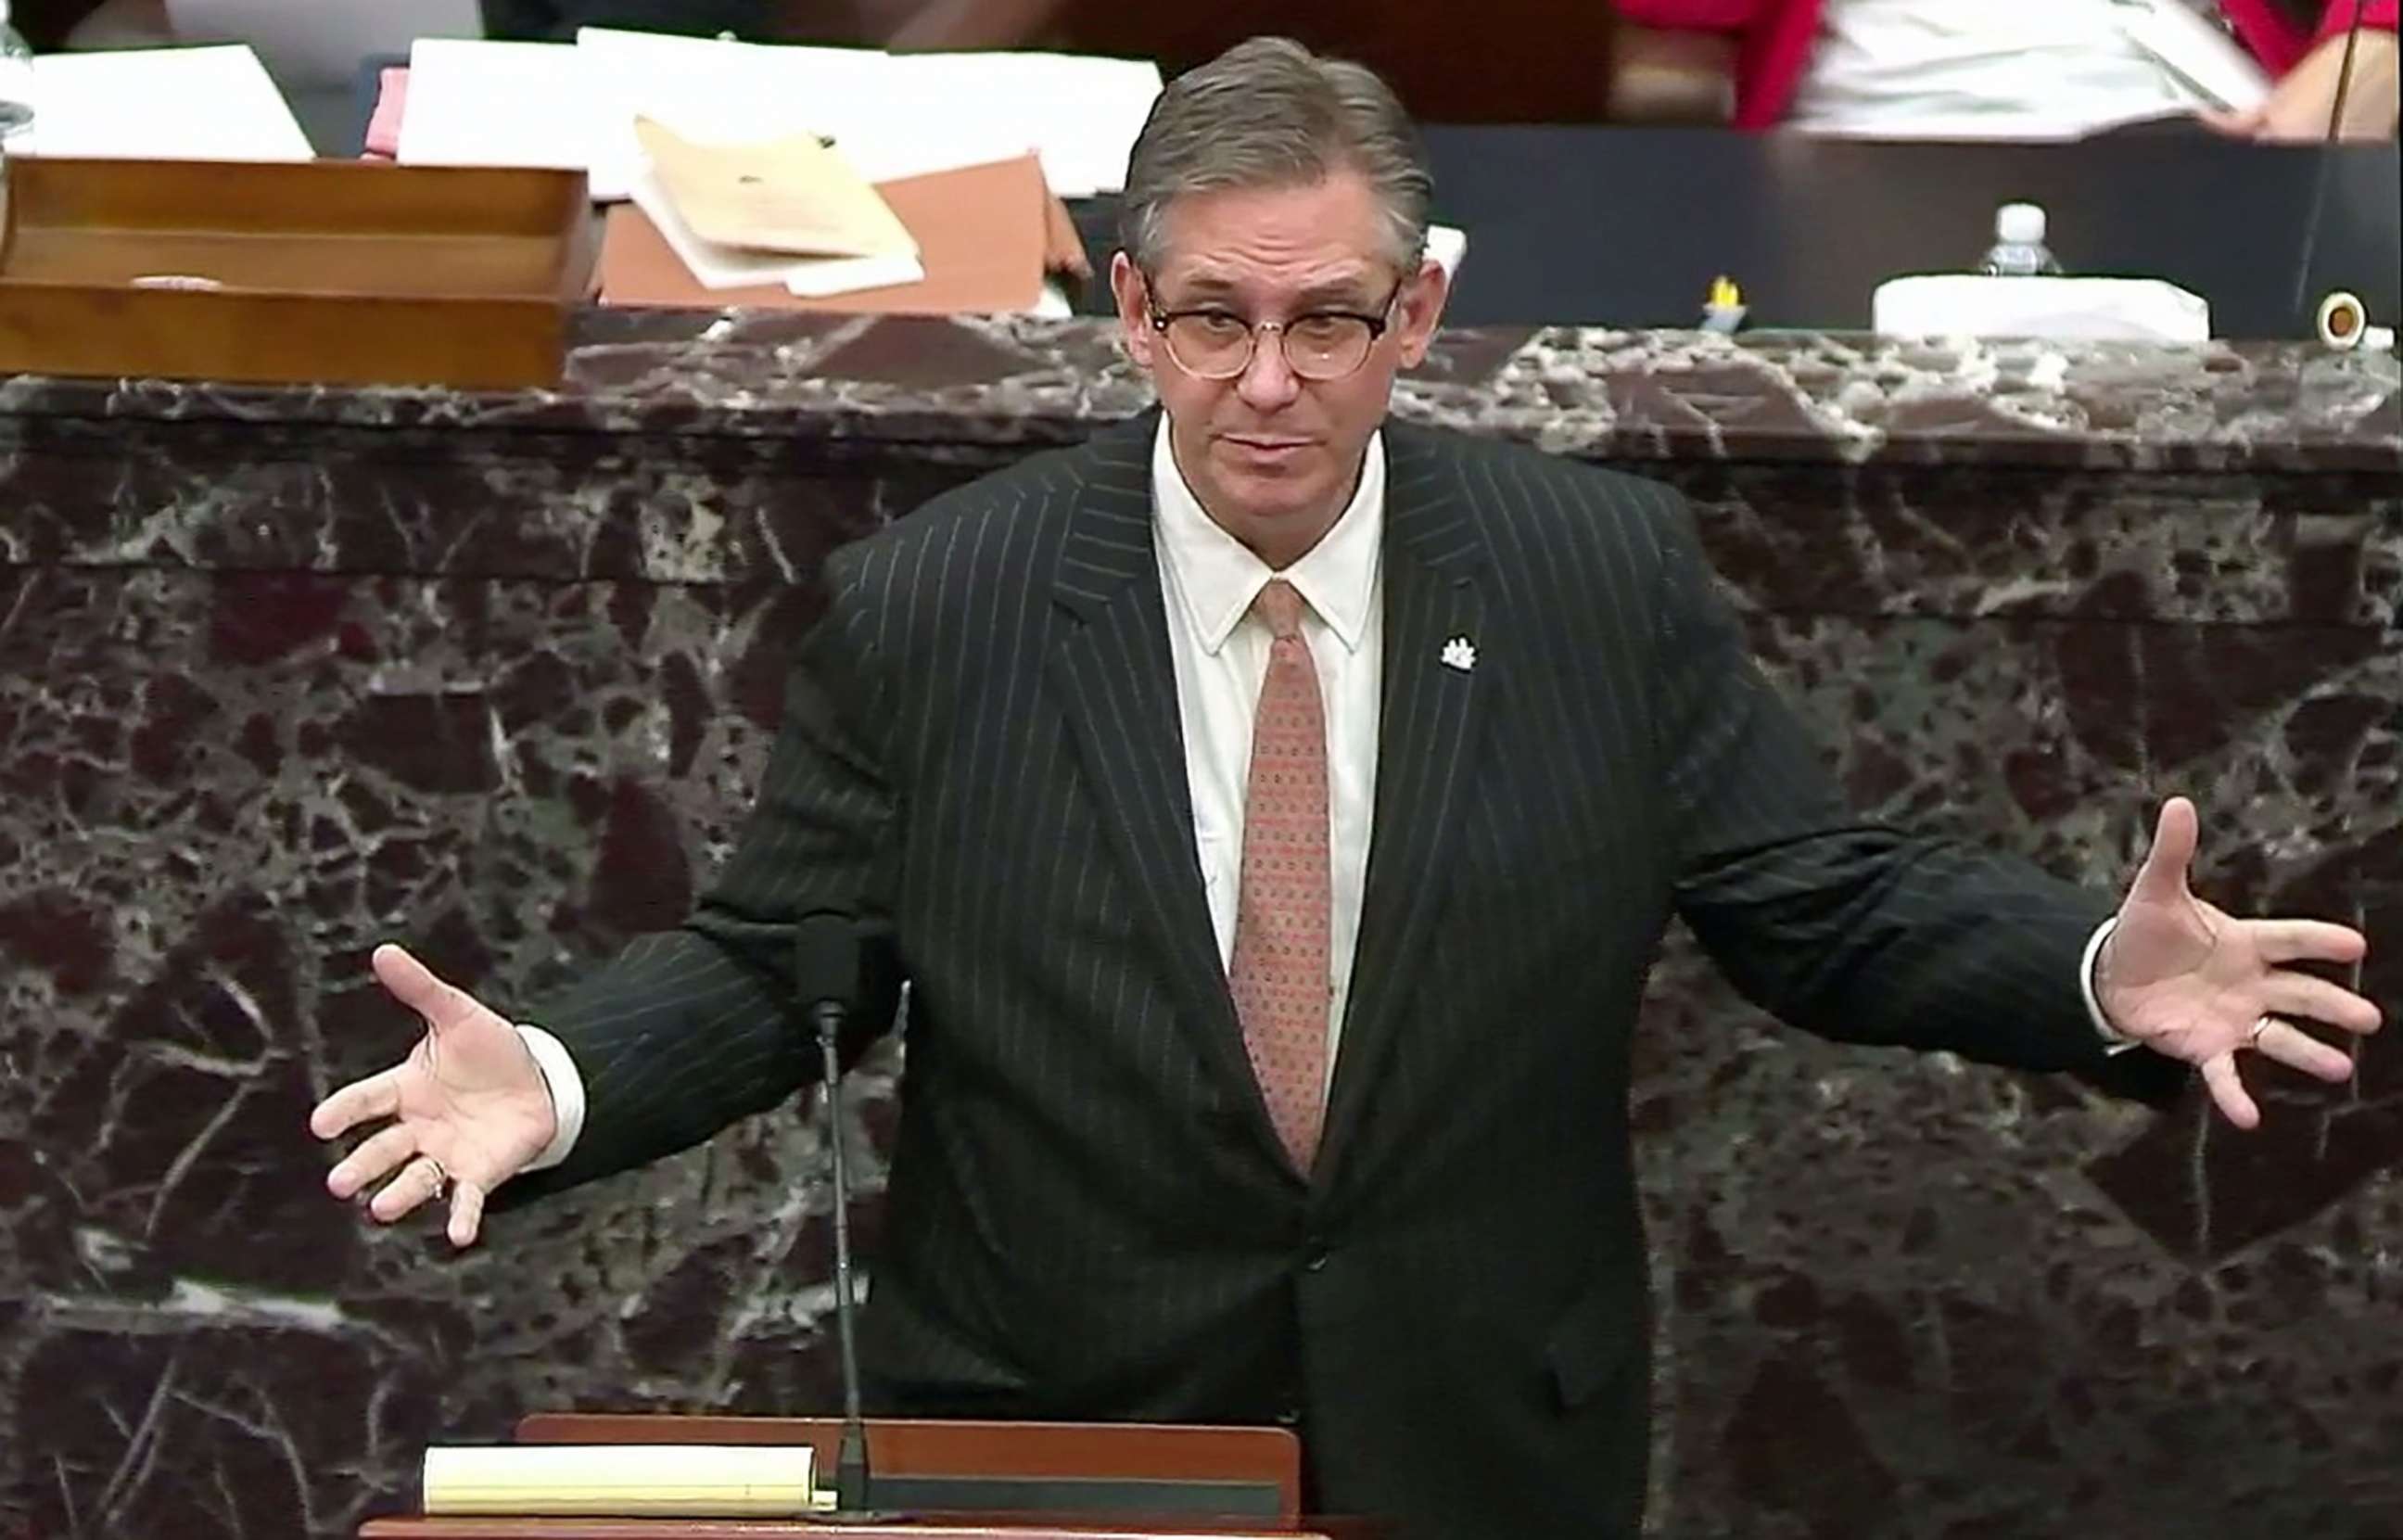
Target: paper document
<point>1079,115</point>
<point>793,195</point>
<point>718,92</point>
<point>622,1481</point>
<point>892,115</point>
<point>981,239</point>
<point>206,103</point>
<point>719,269</point>
<point>474,103</point>
<point>319,43</point>
<point>707,89</point>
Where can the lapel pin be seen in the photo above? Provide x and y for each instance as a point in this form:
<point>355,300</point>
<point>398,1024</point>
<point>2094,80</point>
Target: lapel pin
<point>1459,653</point>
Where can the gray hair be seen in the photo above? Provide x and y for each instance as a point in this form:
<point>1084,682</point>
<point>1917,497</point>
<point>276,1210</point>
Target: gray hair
<point>1269,112</point>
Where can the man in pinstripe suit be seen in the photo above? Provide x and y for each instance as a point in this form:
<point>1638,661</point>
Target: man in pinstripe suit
<point>1274,811</point>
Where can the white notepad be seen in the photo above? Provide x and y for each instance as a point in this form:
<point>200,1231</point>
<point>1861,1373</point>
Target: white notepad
<point>1080,116</point>
<point>206,104</point>
<point>474,103</point>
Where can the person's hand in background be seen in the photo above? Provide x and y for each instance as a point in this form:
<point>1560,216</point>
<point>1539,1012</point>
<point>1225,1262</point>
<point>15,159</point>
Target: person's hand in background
<point>2298,108</point>
<point>465,1112</point>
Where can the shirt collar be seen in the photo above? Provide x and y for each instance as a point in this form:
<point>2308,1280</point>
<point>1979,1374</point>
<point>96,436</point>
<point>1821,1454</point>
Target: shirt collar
<point>1218,576</point>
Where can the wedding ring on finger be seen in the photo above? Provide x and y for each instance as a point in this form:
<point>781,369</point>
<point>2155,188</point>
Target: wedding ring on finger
<point>2253,1038</point>
<point>441,1177</point>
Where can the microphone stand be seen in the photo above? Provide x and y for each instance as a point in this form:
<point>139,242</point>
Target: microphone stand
<point>826,970</point>
<point>851,1473</point>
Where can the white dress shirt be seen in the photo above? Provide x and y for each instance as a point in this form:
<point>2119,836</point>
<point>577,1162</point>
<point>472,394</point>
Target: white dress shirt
<point>1208,579</point>
<point>1978,69</point>
<point>1220,653</point>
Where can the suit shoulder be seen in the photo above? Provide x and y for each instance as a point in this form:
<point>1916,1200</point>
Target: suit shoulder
<point>995,528</point>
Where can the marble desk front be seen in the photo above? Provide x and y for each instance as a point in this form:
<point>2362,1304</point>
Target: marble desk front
<point>286,673</point>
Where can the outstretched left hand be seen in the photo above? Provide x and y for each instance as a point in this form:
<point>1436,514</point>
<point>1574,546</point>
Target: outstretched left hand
<point>2187,979</point>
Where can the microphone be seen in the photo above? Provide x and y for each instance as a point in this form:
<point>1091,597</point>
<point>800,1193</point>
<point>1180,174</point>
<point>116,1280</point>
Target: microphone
<point>2325,171</point>
<point>826,974</point>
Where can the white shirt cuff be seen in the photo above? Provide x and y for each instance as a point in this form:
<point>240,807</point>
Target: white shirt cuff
<point>2117,1041</point>
<point>551,1057</point>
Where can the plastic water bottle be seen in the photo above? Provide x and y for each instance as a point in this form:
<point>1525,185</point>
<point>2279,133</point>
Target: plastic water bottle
<point>2019,250</point>
<point>16,85</point>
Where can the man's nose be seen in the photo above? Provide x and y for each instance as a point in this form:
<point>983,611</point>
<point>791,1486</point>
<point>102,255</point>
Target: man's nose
<point>1267,382</point>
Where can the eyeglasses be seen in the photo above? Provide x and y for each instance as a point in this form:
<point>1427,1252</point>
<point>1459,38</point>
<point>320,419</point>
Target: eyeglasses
<point>1210,343</point>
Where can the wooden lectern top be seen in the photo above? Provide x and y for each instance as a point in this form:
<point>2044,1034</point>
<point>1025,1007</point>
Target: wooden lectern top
<point>1271,1458</point>
<point>949,1526</point>
<point>904,1446</point>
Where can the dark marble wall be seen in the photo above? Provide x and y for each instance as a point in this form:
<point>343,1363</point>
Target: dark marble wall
<point>285,675</point>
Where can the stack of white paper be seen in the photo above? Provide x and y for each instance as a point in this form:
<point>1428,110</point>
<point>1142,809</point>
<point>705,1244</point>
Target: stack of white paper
<point>716,92</point>
<point>1080,114</point>
<point>473,103</point>
<point>212,104</point>
<point>892,115</point>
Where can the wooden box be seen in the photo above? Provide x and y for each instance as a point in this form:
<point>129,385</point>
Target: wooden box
<point>325,272</point>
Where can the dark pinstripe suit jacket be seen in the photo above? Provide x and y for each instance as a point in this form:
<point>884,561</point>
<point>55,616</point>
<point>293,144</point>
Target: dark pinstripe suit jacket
<point>1090,1216</point>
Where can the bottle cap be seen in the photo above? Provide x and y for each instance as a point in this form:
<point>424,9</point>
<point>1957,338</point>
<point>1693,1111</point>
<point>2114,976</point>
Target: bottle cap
<point>2021,224</point>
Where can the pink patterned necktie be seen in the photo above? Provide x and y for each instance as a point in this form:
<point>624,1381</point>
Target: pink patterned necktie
<point>1278,970</point>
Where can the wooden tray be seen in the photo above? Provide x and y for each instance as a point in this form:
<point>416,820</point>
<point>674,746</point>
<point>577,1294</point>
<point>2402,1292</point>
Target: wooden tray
<point>329,272</point>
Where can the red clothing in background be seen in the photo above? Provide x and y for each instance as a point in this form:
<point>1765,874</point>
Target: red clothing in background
<point>1773,39</point>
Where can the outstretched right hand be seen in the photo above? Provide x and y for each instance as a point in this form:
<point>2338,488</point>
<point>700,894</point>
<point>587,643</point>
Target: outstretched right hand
<point>467,1109</point>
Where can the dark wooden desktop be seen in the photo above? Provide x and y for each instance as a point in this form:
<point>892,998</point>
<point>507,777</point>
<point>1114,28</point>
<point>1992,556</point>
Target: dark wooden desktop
<point>1497,62</point>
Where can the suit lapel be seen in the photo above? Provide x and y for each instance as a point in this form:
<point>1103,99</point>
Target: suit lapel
<point>1426,746</point>
<point>1115,684</point>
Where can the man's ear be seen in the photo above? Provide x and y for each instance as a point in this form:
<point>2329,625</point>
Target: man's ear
<point>1419,310</point>
<point>1132,295</point>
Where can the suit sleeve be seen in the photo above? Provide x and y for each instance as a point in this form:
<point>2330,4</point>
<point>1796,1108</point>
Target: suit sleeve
<point>691,1029</point>
<point>1835,924</point>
